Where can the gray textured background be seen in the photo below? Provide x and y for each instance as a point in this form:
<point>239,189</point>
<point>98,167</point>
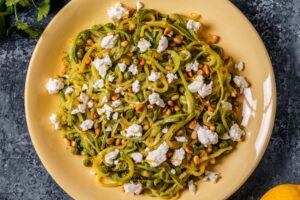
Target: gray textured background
<point>22,176</point>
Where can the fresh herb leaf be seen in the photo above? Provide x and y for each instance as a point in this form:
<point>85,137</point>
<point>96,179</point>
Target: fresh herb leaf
<point>11,2</point>
<point>43,10</point>
<point>25,3</point>
<point>32,32</point>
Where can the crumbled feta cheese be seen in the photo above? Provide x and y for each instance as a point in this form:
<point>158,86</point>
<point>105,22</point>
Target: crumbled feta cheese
<point>101,65</point>
<point>86,125</point>
<point>93,173</point>
<point>171,77</point>
<point>212,176</point>
<point>173,171</point>
<point>116,162</point>
<point>84,87</point>
<point>239,66</point>
<point>118,90</point>
<point>180,138</point>
<point>108,111</point>
<point>134,130</point>
<point>143,45</point>
<point>206,136</point>
<point>165,130</point>
<point>147,149</point>
<point>192,187</point>
<point>111,156</point>
<point>192,66</point>
<point>133,188</point>
<point>205,90</point>
<point>133,48</point>
<point>199,86</point>
<point>193,25</point>
<point>83,97</point>
<point>154,98</point>
<point>235,132</point>
<point>54,85</point>
<point>154,76</point>
<point>69,90</point>
<point>137,157</point>
<point>90,104</point>
<point>111,78</point>
<point>226,105</point>
<point>177,157</point>
<point>136,86</point>
<point>122,67</point>
<point>109,41</point>
<point>54,120</point>
<point>117,12</point>
<point>162,44</point>
<point>116,103</point>
<point>139,5</point>
<point>158,156</point>
<point>108,128</point>
<point>115,116</point>
<point>240,82</point>
<point>98,84</point>
<point>133,69</point>
<point>80,109</point>
<point>104,99</point>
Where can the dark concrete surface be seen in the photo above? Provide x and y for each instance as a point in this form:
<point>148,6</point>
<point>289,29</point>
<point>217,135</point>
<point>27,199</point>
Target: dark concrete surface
<point>22,175</point>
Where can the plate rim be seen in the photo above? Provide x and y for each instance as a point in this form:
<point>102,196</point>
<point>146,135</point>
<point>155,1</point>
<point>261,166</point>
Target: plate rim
<point>226,195</point>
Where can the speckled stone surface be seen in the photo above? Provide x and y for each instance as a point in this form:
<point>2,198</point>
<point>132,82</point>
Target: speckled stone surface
<point>22,176</point>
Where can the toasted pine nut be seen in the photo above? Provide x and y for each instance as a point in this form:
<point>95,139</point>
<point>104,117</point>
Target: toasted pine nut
<point>175,97</point>
<point>130,54</point>
<point>170,103</point>
<point>146,127</point>
<point>63,70</point>
<point>90,42</point>
<point>179,132</point>
<point>189,149</point>
<point>215,39</point>
<point>206,69</point>
<point>110,140</point>
<point>169,68</point>
<point>118,142</point>
<point>150,106</point>
<point>209,148</point>
<point>124,43</point>
<point>139,107</point>
<point>167,30</point>
<point>193,124</point>
<point>129,89</point>
<point>176,108</point>
<point>210,109</point>
<point>123,141</point>
<point>200,72</point>
<point>194,135</point>
<point>142,61</point>
<point>95,115</point>
<point>165,109</point>
<point>67,142</point>
<point>196,160</point>
<point>189,74</point>
<point>131,27</point>
<point>115,96</point>
<point>169,154</point>
<point>168,112</point>
<point>97,132</point>
<point>178,39</point>
<point>212,128</point>
<point>106,53</point>
<point>172,44</point>
<point>207,103</point>
<point>88,60</point>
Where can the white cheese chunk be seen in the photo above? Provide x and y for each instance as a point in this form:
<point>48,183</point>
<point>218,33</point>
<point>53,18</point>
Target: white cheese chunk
<point>102,64</point>
<point>206,136</point>
<point>133,188</point>
<point>171,77</point>
<point>122,67</point>
<point>235,132</point>
<point>109,41</point>
<point>80,109</point>
<point>240,82</point>
<point>199,86</point>
<point>173,171</point>
<point>133,69</point>
<point>86,125</point>
<point>192,66</point>
<point>226,105</point>
<point>177,157</point>
<point>239,66</point>
<point>154,76</point>
<point>104,99</point>
<point>139,5</point>
<point>165,130</point>
<point>108,128</point>
<point>137,157</point>
<point>211,176</point>
<point>205,90</point>
<point>69,90</point>
<point>111,156</point>
<point>192,187</point>
<point>90,104</point>
<point>158,156</point>
<point>143,45</point>
<point>154,98</point>
<point>117,12</point>
<point>116,103</point>
<point>111,78</point>
<point>162,44</point>
<point>84,97</point>
<point>84,87</point>
<point>98,84</point>
<point>180,138</point>
<point>115,116</point>
<point>134,130</point>
<point>136,86</point>
<point>55,121</point>
<point>193,25</point>
<point>54,86</point>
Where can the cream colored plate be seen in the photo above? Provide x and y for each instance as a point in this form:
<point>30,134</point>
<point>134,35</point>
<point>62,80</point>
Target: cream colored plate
<point>238,38</point>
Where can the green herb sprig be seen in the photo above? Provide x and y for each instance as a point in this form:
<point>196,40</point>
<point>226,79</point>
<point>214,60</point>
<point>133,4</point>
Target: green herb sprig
<point>11,7</point>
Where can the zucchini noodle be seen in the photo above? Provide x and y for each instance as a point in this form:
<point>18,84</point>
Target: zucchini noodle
<point>181,113</point>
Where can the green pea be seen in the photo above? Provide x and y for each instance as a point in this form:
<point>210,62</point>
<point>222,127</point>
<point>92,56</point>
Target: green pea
<point>149,184</point>
<point>220,129</point>
<point>135,61</point>
<point>79,42</point>
<point>80,53</point>
<point>140,96</point>
<point>181,89</point>
<point>87,162</point>
<point>150,114</point>
<point>129,114</point>
<point>104,169</point>
<point>75,151</point>
<point>215,148</point>
<point>141,76</point>
<point>223,144</point>
<point>127,75</point>
<point>85,35</point>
